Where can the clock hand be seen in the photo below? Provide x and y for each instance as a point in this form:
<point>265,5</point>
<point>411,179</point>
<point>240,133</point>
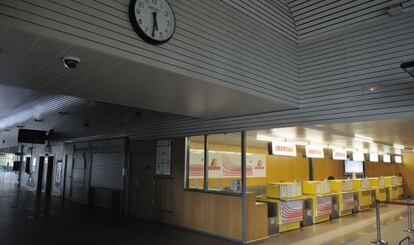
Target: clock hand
<point>155,25</point>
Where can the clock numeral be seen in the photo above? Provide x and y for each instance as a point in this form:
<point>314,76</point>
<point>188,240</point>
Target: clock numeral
<point>141,4</point>
<point>168,23</point>
<point>166,30</point>
<point>161,35</point>
<point>146,28</point>
<point>166,13</point>
<point>154,2</point>
<point>138,11</point>
<point>139,21</point>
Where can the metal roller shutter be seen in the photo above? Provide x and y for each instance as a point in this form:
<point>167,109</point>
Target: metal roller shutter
<point>107,170</point>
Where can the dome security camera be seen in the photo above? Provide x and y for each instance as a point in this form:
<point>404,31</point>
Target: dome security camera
<point>70,62</point>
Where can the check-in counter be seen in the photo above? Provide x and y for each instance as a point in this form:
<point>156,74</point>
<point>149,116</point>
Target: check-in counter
<point>392,183</point>
<point>344,202</point>
<point>380,190</point>
<point>363,194</point>
<point>320,196</point>
<point>287,200</point>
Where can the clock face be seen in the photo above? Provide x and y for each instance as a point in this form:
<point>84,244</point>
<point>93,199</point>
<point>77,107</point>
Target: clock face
<point>153,20</point>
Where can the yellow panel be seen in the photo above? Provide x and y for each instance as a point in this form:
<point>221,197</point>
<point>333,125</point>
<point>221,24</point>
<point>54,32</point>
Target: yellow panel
<point>345,213</point>
<point>283,189</point>
<point>289,227</point>
<point>321,218</point>
<point>341,185</point>
<point>316,187</point>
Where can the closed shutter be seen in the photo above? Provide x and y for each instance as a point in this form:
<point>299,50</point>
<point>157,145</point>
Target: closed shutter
<point>107,170</point>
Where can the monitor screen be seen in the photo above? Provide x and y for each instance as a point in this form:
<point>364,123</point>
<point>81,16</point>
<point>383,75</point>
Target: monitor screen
<point>354,167</point>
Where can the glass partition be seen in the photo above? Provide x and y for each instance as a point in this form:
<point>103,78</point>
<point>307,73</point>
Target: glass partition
<point>195,162</point>
<point>224,162</point>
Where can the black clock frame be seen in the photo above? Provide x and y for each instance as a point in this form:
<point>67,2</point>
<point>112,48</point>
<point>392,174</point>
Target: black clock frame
<point>138,29</point>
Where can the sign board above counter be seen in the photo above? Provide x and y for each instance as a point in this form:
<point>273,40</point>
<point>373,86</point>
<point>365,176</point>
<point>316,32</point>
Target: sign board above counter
<point>339,154</point>
<point>314,151</point>
<point>282,148</point>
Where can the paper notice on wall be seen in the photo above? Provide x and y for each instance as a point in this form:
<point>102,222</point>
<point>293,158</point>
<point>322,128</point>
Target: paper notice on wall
<point>163,157</point>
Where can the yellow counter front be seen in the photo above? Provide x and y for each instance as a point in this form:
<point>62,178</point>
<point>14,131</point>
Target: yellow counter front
<point>346,199</point>
<point>320,194</point>
<point>378,184</point>
<point>364,191</point>
<point>394,187</point>
<point>290,211</point>
<point>289,200</point>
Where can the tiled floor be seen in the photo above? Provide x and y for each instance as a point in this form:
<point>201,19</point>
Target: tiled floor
<point>28,220</point>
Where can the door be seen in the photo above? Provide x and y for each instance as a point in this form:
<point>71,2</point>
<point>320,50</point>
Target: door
<point>49,175</point>
<point>40,175</point>
<point>77,189</point>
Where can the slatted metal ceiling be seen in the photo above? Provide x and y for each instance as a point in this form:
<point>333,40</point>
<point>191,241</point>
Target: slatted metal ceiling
<point>318,17</point>
<point>213,41</point>
<point>328,93</point>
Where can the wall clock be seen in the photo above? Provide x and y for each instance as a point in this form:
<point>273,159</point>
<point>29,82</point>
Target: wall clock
<point>152,20</point>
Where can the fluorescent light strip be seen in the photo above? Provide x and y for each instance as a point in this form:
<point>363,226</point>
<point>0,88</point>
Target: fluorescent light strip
<point>401,147</point>
<point>363,138</point>
<point>268,138</point>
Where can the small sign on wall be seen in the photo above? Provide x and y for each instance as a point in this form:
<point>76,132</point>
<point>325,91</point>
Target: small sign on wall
<point>373,157</point>
<point>163,157</point>
<point>358,156</point>
<point>339,154</point>
<point>283,148</point>
<point>314,151</point>
<point>386,158</point>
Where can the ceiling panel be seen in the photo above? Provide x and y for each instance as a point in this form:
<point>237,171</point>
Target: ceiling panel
<point>37,64</point>
<point>384,133</point>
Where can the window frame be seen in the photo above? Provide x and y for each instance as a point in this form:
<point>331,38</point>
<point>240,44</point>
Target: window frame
<point>205,164</point>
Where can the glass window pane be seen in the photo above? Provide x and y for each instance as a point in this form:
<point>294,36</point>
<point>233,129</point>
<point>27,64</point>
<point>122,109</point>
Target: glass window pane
<point>257,163</point>
<point>224,162</point>
<point>195,162</point>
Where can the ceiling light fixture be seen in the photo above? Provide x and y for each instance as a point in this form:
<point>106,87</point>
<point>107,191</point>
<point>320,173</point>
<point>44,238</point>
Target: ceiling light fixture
<point>401,147</point>
<point>408,67</point>
<point>363,139</point>
<point>268,138</point>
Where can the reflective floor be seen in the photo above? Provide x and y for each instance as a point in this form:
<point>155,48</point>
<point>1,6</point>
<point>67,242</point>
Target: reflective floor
<point>26,220</point>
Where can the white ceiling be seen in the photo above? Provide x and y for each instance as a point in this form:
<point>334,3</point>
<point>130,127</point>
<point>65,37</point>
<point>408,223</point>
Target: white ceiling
<point>34,62</point>
<point>385,134</point>
<point>318,17</point>
<point>12,98</point>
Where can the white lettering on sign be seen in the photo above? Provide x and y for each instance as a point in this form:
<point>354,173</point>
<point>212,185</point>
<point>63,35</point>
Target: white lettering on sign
<point>283,148</point>
<point>339,154</point>
<point>358,156</point>
<point>373,157</point>
<point>314,151</point>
